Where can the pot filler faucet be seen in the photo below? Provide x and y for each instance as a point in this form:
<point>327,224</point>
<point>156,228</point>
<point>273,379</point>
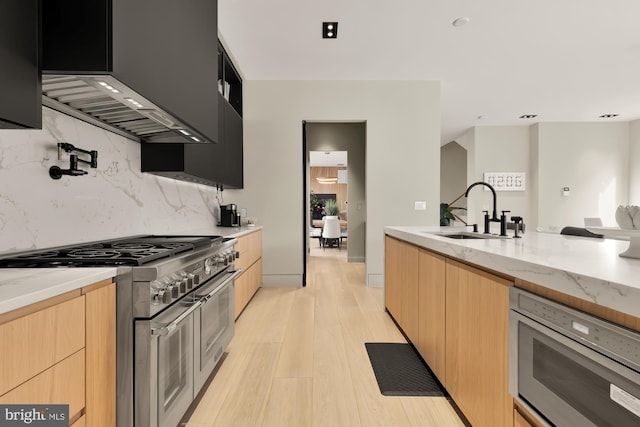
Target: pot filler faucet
<point>494,217</point>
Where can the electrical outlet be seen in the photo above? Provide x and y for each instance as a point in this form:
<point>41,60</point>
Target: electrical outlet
<point>420,206</point>
<point>243,212</point>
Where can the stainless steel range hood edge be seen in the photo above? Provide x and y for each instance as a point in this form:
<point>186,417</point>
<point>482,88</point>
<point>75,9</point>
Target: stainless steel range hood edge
<point>105,102</point>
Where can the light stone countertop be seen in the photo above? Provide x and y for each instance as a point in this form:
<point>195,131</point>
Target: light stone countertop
<point>20,287</point>
<point>583,267</point>
<point>220,231</point>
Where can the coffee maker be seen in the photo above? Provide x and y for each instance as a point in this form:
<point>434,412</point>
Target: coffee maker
<point>229,216</point>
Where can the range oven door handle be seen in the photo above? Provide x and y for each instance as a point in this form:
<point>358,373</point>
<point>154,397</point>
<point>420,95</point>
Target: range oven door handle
<point>232,275</point>
<point>166,330</point>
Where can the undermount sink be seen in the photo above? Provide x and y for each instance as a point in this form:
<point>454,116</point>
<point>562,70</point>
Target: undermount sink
<point>465,235</point>
<point>461,236</point>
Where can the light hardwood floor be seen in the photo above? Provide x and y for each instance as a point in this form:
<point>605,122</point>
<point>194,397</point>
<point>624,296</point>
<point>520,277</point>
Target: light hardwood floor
<point>298,359</point>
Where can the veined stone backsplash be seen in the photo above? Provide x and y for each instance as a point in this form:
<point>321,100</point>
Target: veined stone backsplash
<point>114,200</point>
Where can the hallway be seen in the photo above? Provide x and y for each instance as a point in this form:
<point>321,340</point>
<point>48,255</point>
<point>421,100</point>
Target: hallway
<point>298,359</point>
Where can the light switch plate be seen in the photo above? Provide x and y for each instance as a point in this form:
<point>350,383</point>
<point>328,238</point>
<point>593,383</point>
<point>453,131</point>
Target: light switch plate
<point>420,205</point>
<point>243,212</point>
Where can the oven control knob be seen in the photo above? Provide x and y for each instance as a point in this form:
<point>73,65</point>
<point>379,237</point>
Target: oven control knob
<point>237,254</point>
<point>230,256</point>
<point>189,279</point>
<point>156,298</point>
<point>175,289</point>
<point>183,285</point>
<point>166,295</point>
<point>208,263</point>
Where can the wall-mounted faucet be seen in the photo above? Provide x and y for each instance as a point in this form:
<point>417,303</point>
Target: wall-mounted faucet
<point>56,172</point>
<point>494,216</point>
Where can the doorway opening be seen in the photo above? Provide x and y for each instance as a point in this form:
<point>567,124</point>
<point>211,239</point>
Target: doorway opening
<point>328,204</point>
<point>334,170</point>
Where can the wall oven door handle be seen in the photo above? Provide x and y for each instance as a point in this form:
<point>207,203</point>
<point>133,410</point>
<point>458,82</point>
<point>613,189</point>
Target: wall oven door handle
<point>166,329</point>
<point>232,275</point>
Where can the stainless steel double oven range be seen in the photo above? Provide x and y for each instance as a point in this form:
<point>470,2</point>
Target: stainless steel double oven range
<point>174,302</point>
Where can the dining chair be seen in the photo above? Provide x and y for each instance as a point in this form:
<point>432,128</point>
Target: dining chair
<point>331,231</point>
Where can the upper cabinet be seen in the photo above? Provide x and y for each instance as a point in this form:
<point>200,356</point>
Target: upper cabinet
<point>229,81</point>
<point>160,54</point>
<point>211,164</point>
<point>229,159</point>
<point>21,100</point>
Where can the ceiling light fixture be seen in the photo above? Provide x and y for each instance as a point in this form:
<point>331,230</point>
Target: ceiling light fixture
<point>327,180</point>
<point>528,116</point>
<point>459,22</point>
<point>329,30</point>
<point>608,116</point>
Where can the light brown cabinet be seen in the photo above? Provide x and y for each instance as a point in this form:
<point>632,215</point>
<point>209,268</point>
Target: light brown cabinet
<point>401,285</point>
<point>457,317</point>
<point>477,320</point>
<point>101,355</point>
<point>431,311</point>
<point>62,351</point>
<point>250,261</point>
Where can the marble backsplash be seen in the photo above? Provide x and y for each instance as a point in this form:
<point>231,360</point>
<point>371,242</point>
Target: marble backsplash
<point>114,200</point>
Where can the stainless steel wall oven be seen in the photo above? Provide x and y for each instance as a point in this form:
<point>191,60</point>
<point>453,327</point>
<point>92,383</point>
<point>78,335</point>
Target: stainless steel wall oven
<point>570,368</point>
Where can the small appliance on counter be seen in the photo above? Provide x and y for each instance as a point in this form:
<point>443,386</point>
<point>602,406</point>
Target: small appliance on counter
<point>229,216</point>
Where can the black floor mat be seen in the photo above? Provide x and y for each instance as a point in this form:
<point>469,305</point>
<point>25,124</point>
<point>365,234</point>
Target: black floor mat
<point>400,371</point>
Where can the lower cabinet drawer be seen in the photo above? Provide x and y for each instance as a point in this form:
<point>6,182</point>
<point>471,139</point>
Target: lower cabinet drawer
<point>63,383</point>
<point>246,285</point>
<point>37,341</point>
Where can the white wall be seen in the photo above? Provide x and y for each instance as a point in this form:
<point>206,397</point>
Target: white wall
<point>534,177</point>
<point>634,163</point>
<point>453,175</point>
<point>599,162</point>
<point>592,159</point>
<point>500,149</point>
<point>113,200</point>
<point>496,149</point>
<point>402,161</point>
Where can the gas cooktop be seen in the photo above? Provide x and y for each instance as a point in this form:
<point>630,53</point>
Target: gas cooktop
<point>130,251</point>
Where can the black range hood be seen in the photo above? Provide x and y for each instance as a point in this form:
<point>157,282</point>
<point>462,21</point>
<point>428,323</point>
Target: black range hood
<point>147,68</point>
<point>184,162</point>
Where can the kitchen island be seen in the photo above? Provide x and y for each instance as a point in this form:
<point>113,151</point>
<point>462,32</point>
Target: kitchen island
<point>451,299</point>
<point>585,268</point>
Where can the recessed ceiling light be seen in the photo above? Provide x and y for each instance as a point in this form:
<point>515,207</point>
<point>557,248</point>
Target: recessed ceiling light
<point>459,22</point>
<point>528,116</point>
<point>482,117</point>
<point>608,116</point>
<point>329,30</point>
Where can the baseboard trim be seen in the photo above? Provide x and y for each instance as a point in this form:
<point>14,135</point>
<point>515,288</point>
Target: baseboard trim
<point>281,280</point>
<point>375,280</point>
